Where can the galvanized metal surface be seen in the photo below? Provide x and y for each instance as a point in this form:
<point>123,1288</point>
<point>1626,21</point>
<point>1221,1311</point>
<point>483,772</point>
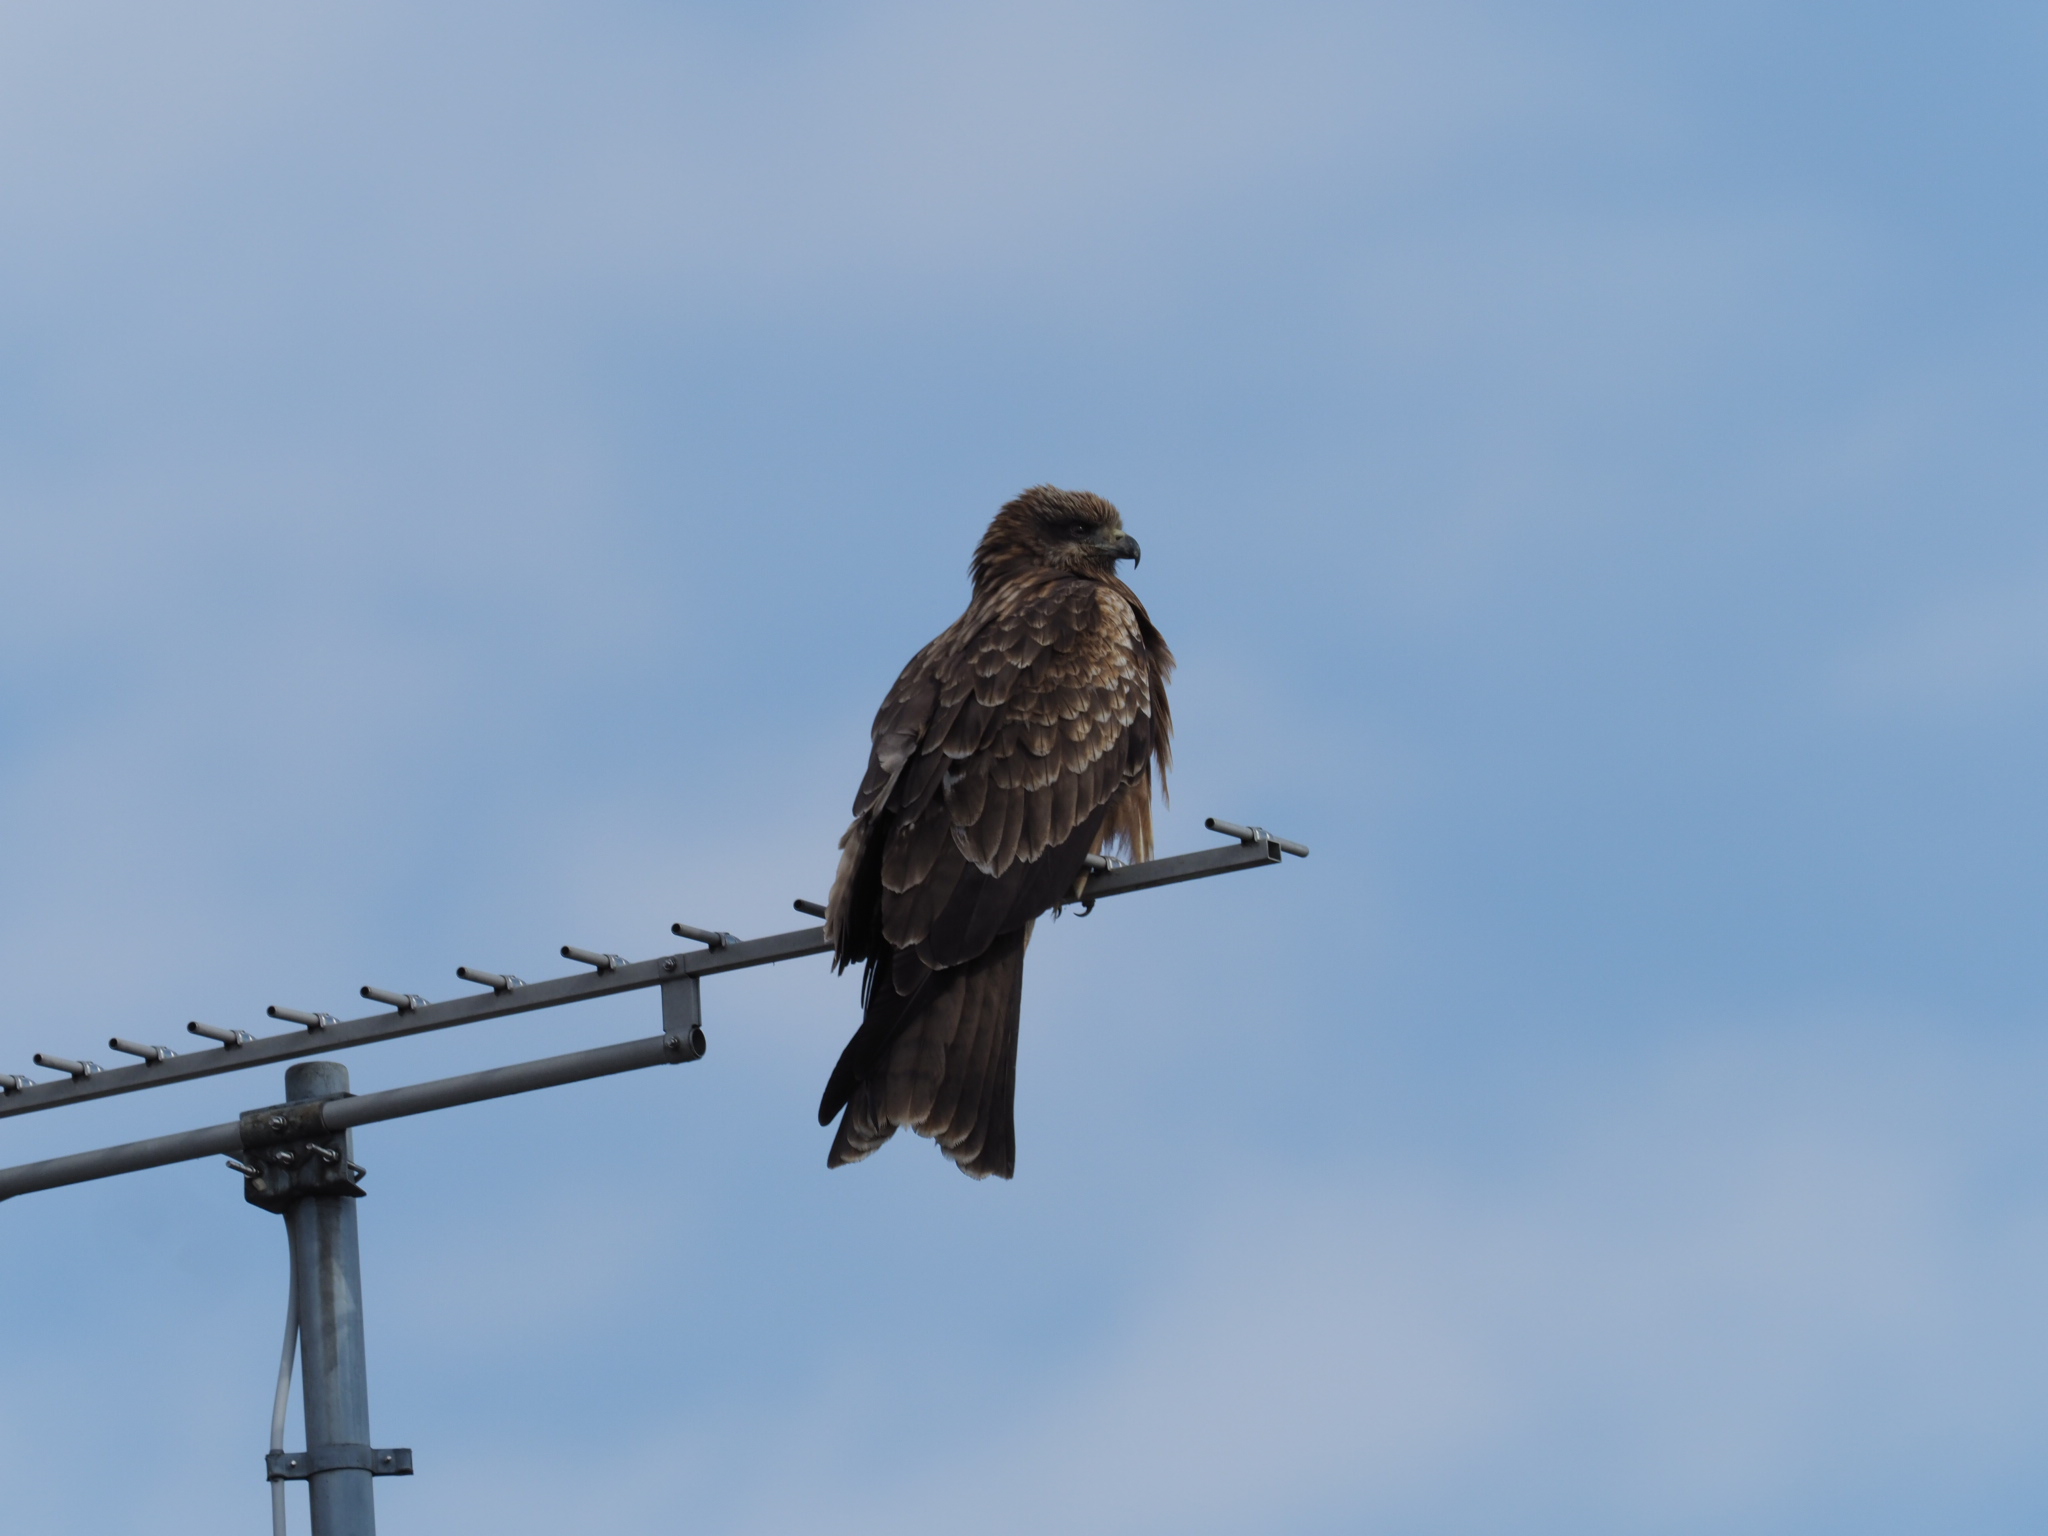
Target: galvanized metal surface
<point>344,1034</point>
<point>360,1109</point>
<point>129,1157</point>
<point>333,1358</point>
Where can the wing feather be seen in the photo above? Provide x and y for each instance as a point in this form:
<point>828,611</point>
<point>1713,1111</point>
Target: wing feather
<point>1009,750</point>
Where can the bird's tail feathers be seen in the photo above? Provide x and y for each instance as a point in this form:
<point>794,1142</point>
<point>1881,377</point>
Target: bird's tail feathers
<point>947,1067</point>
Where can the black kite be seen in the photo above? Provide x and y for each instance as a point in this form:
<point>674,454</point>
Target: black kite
<point>1015,745</point>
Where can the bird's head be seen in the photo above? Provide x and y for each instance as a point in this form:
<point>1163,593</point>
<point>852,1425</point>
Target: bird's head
<point>1047,528</point>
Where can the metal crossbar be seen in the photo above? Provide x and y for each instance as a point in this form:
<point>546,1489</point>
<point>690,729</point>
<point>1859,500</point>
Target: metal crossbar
<point>1255,847</point>
<point>344,1034</point>
<point>345,1114</point>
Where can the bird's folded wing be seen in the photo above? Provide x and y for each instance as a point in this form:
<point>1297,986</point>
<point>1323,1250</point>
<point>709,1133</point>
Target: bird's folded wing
<point>1032,723</point>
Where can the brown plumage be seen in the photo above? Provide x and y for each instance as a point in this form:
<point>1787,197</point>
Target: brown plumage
<point>1013,746</point>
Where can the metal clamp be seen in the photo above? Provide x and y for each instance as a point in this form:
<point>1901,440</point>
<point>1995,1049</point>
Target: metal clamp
<point>291,1154</point>
<point>292,1466</point>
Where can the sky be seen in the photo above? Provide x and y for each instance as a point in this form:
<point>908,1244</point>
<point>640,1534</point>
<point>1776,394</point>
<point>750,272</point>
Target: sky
<point>469,473</point>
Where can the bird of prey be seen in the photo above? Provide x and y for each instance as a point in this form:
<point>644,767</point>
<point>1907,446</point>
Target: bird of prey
<point>1012,747</point>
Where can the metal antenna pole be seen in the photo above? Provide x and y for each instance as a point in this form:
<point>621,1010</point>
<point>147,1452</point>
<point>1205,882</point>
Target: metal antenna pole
<point>327,1271</point>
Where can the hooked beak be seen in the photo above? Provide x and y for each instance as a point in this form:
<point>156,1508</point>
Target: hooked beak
<point>1126,548</point>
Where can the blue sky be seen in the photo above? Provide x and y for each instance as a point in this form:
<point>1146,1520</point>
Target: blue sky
<point>470,472</point>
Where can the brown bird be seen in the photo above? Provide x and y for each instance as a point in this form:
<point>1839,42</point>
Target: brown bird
<point>1015,745</point>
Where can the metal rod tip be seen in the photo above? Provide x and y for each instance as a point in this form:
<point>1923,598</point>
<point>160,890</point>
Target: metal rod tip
<point>808,908</point>
<point>77,1069</point>
<point>404,1002</point>
<point>300,1016</point>
<point>1255,835</point>
<point>489,979</point>
<point>710,936</point>
<point>603,961</point>
<point>149,1053</point>
<point>227,1037</point>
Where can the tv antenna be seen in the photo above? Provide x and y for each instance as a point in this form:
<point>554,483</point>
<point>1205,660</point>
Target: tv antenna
<point>297,1158</point>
